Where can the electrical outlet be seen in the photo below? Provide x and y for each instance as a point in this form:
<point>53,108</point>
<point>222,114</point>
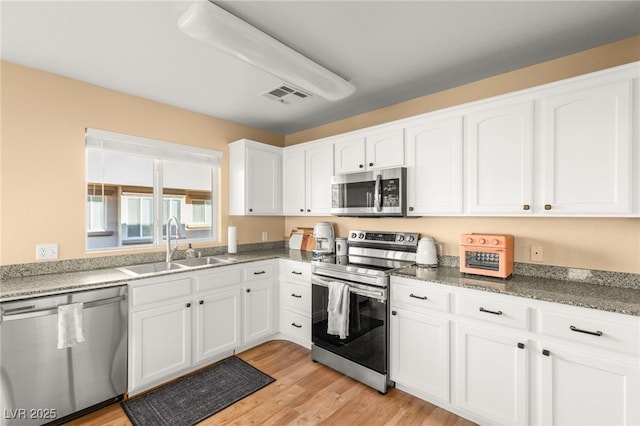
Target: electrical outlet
<point>265,236</point>
<point>536,254</point>
<point>46,251</point>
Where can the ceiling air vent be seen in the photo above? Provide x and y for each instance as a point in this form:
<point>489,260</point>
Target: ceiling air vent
<point>286,94</point>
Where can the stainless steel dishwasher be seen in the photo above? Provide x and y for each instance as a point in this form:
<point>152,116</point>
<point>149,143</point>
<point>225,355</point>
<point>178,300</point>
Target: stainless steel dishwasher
<point>40,383</point>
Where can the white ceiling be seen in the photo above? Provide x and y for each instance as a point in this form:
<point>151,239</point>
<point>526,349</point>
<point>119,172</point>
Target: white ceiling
<point>390,50</point>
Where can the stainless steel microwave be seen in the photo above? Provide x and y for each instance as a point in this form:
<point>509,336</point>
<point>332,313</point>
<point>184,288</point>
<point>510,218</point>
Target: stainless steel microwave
<point>374,193</point>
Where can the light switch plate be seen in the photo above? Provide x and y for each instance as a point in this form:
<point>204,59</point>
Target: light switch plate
<point>537,254</point>
<point>46,251</point>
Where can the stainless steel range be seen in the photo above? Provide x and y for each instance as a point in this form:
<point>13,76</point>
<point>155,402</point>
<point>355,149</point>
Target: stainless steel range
<point>350,312</point>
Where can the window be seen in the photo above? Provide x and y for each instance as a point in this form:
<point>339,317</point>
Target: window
<point>134,185</point>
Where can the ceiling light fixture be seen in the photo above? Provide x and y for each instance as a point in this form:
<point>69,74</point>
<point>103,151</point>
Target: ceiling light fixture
<point>218,28</point>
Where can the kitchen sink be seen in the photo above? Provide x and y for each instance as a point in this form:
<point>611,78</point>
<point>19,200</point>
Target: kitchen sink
<point>200,261</point>
<point>151,268</point>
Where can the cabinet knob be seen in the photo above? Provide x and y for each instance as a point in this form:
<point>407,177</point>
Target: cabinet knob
<point>545,352</point>
<point>201,302</point>
<point>410,209</point>
<point>250,210</point>
<point>248,290</point>
<point>188,305</point>
<point>361,166</point>
<point>547,206</point>
<point>521,345</point>
<point>301,210</point>
<point>394,313</point>
<point>526,207</point>
<point>308,210</point>
<point>370,164</point>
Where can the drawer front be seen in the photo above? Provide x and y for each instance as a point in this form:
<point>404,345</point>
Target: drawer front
<point>494,311</point>
<point>223,277</point>
<point>295,271</point>
<point>423,298</point>
<point>258,272</point>
<point>592,332</point>
<point>168,290</point>
<point>296,296</point>
<point>295,325</point>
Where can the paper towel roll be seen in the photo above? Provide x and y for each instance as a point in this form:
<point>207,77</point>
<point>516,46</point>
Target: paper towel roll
<point>232,240</point>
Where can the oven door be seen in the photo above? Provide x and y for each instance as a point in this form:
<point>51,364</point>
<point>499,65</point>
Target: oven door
<point>367,343</point>
<point>374,193</point>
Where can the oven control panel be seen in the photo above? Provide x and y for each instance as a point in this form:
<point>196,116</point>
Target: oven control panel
<point>381,237</point>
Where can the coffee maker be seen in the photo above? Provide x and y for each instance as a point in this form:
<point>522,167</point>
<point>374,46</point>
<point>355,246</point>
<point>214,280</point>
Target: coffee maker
<point>325,239</point>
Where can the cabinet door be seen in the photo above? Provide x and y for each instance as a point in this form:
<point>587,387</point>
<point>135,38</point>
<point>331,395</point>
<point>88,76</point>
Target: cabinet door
<point>264,181</point>
<point>434,160</point>
<point>293,182</point>
<point>492,375</point>
<point>587,151</point>
<point>161,343</point>
<point>349,155</point>
<point>319,169</point>
<point>385,149</point>
<point>578,389</point>
<point>499,145</point>
<point>258,304</point>
<point>217,323</point>
<point>420,352</point>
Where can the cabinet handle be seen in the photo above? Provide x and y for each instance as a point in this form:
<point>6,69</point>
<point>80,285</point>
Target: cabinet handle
<point>248,290</point>
<point>201,302</point>
<point>296,273</point>
<point>546,352</point>
<point>410,209</point>
<point>394,313</point>
<point>418,297</point>
<point>490,312</point>
<point>547,206</point>
<point>520,345</point>
<point>188,305</point>
<point>297,296</point>
<point>526,207</point>
<point>259,273</point>
<point>296,325</point>
<point>593,333</point>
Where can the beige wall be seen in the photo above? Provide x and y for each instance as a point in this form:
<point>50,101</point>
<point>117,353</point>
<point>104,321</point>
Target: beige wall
<point>44,117</point>
<point>606,244</point>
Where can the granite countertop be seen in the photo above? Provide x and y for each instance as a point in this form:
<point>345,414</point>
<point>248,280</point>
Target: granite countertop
<point>576,293</point>
<point>605,298</point>
<point>41,285</point>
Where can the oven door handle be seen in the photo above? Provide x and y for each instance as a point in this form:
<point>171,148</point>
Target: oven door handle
<point>378,192</point>
<point>379,295</point>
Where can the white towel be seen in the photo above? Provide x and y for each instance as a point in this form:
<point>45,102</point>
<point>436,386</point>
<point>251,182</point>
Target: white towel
<point>70,325</point>
<point>338,309</point>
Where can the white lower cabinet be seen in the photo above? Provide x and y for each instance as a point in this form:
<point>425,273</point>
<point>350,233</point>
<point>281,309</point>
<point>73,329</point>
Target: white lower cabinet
<point>508,360</point>
<point>492,374</point>
<point>420,352</point>
<point>577,388</point>
<point>180,324</point>
<point>162,346</point>
<point>295,301</point>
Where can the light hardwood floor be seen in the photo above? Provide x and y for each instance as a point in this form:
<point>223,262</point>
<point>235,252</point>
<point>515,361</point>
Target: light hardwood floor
<point>308,393</point>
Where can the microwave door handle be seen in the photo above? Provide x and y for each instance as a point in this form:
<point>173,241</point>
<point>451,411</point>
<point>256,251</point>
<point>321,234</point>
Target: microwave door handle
<point>378,191</point>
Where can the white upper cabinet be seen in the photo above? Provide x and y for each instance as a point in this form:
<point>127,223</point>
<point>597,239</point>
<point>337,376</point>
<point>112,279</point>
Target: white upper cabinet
<point>434,167</point>
<point>307,175</point>
<point>375,150</point>
<point>587,150</point>
<point>499,159</point>
<point>255,178</point>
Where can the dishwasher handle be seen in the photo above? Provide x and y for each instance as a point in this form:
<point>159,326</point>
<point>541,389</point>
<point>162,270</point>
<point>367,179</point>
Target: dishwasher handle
<point>24,312</point>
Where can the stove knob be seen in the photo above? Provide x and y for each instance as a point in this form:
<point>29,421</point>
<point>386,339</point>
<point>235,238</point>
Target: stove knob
<point>400,238</point>
<point>354,235</point>
<point>482,241</point>
<point>496,242</point>
<point>469,240</point>
<point>411,238</point>
<point>361,236</point>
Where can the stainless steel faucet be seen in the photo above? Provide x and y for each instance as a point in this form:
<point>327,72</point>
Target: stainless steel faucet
<point>171,250</point>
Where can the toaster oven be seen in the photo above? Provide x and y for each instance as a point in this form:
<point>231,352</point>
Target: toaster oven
<point>487,254</point>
